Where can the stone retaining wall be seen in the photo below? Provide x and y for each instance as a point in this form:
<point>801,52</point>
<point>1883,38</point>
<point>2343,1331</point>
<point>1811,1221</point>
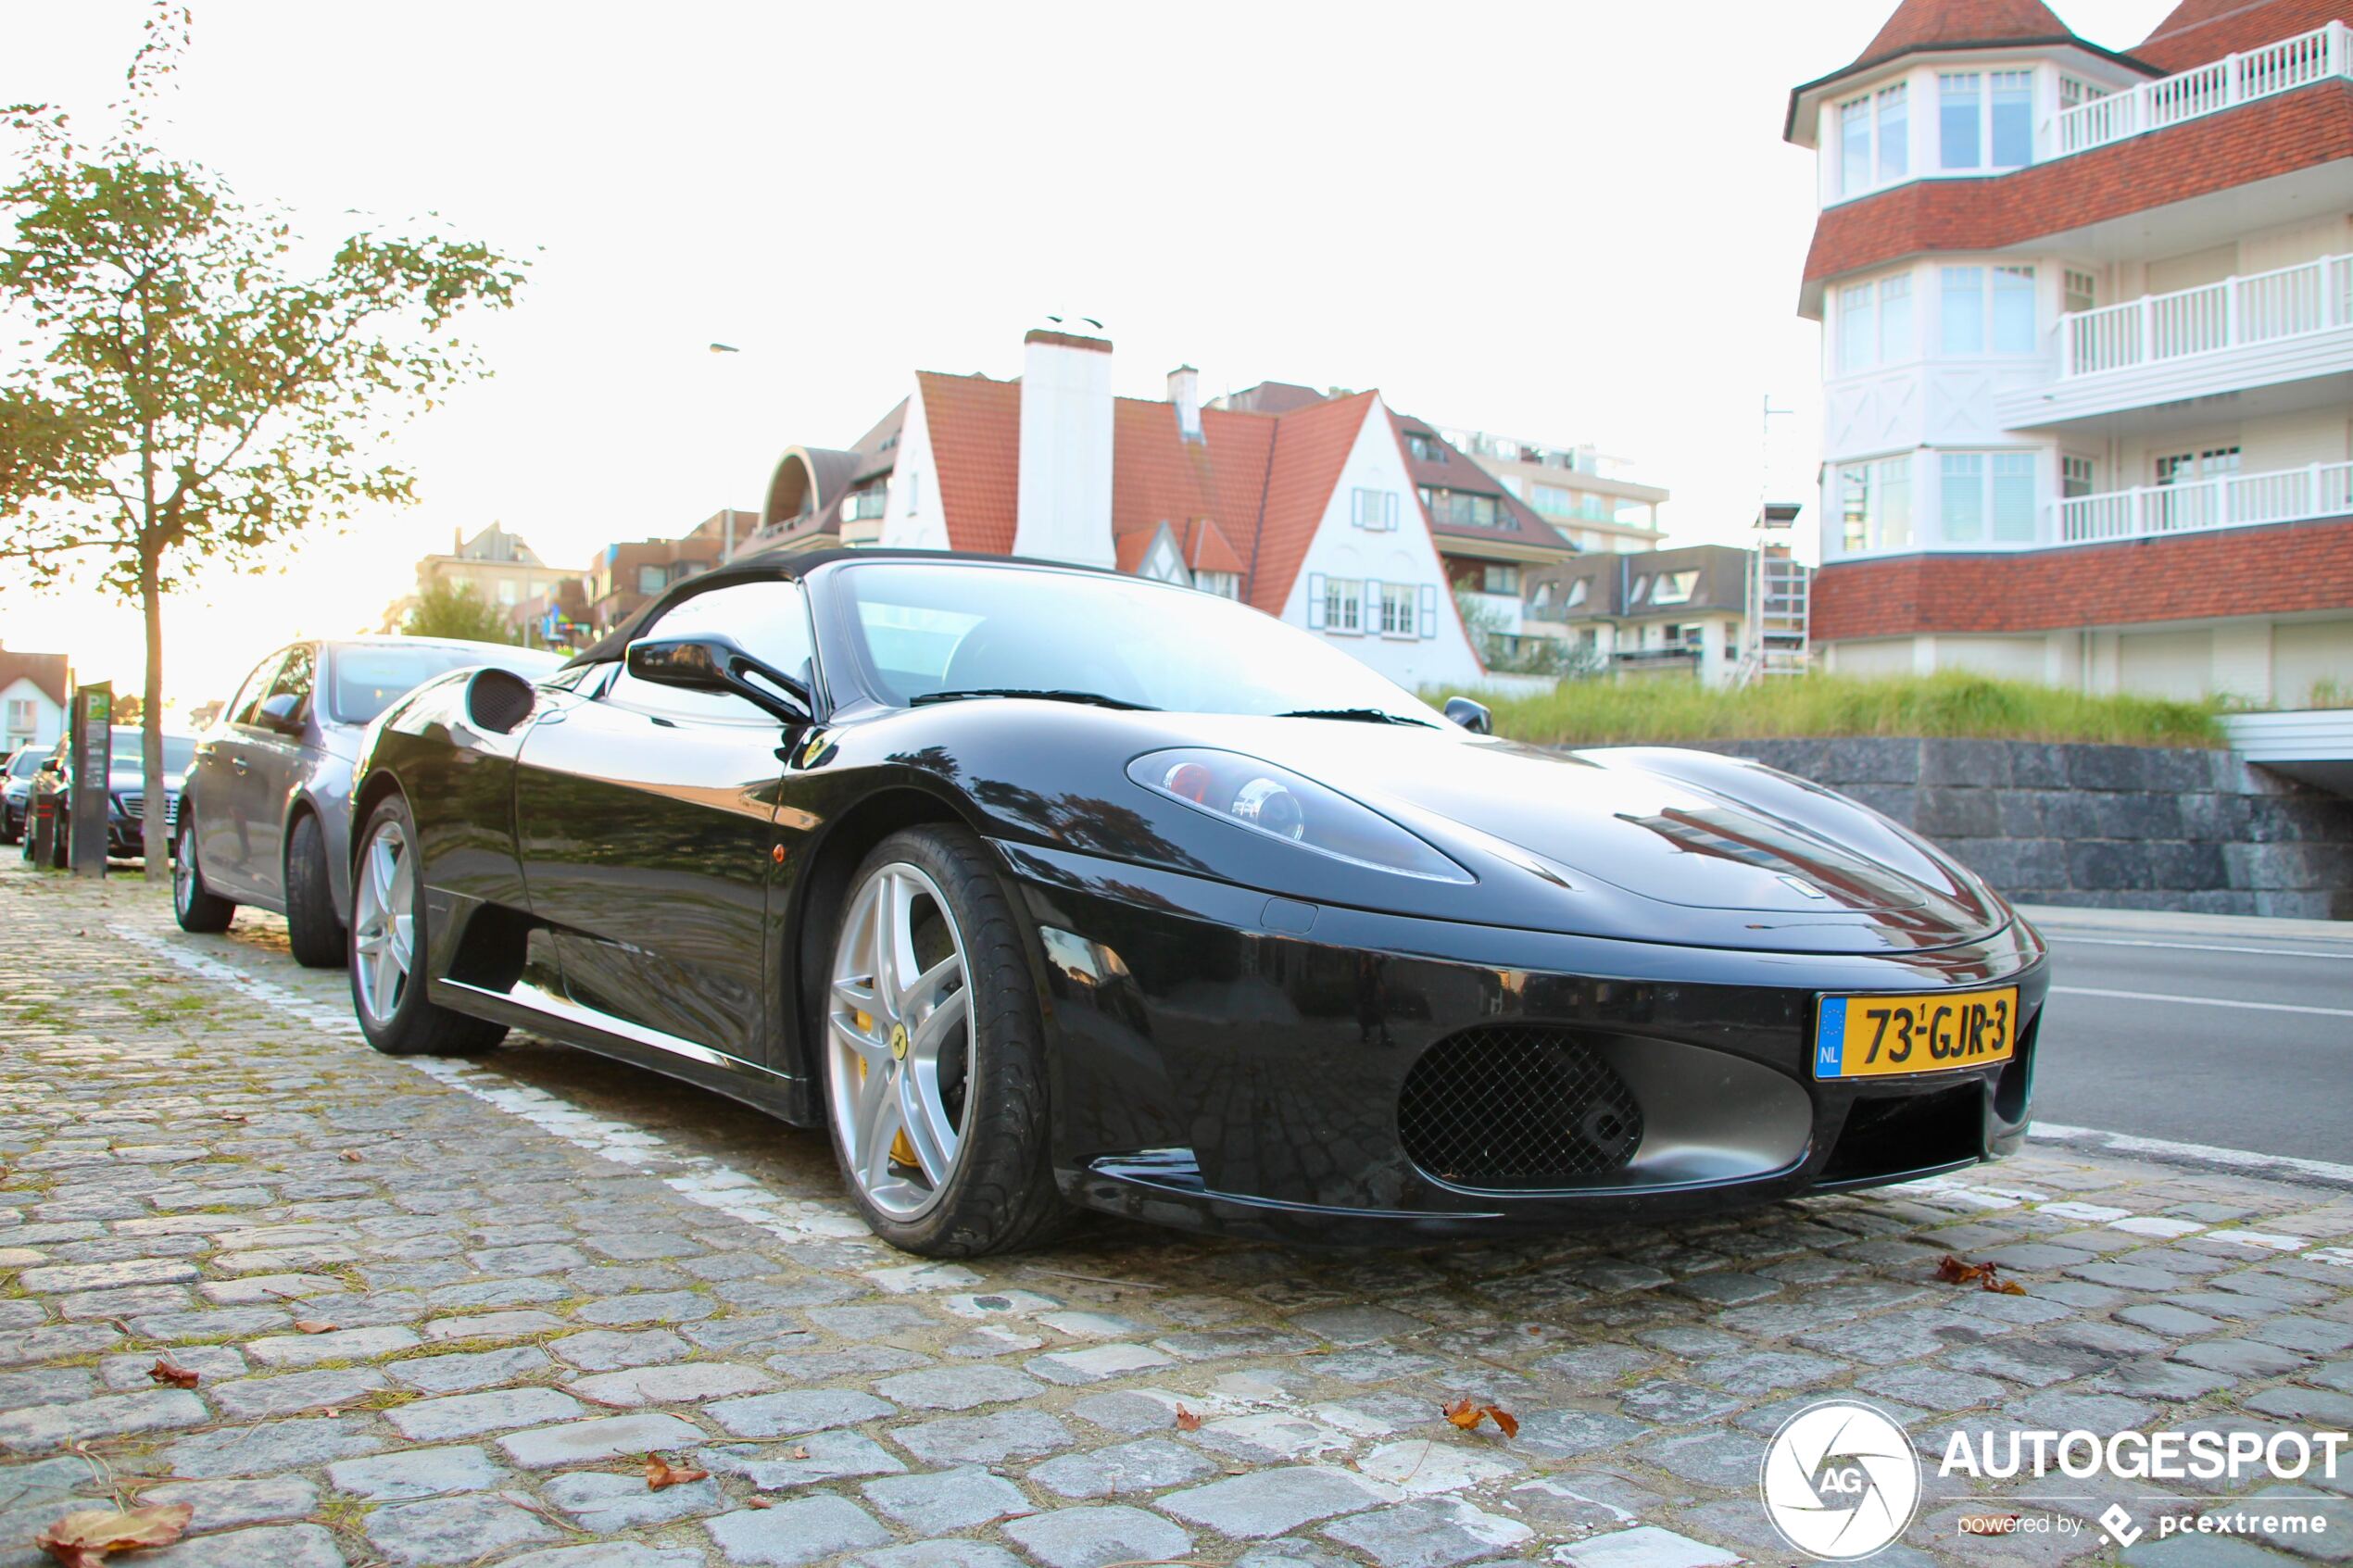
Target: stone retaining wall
<point>2120,827</point>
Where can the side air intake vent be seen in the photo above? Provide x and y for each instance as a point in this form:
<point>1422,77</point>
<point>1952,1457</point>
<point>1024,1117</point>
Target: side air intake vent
<point>498,699</point>
<point>1516,1106</point>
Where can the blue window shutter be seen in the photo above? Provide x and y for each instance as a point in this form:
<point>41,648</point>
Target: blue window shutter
<point>1314,601</point>
<point>1371,615</point>
<point>1389,511</point>
<point>1430,610</point>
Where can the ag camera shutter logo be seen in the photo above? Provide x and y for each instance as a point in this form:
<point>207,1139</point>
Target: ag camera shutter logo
<point>1839,1481</point>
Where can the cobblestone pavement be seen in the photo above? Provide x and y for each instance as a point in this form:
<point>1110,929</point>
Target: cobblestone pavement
<point>442,1312</point>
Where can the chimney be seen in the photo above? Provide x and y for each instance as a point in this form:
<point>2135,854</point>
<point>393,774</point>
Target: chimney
<point>1184,391</point>
<point>1064,495</point>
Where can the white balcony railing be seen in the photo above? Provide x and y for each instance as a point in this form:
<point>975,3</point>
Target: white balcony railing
<point>2208,89</point>
<point>2235,313</point>
<point>2237,500</point>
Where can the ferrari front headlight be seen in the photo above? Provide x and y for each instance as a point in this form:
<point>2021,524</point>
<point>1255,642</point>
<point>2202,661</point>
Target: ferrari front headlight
<point>1282,805</point>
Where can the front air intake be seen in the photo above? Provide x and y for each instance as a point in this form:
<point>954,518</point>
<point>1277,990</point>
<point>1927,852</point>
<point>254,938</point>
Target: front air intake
<point>1516,1106</point>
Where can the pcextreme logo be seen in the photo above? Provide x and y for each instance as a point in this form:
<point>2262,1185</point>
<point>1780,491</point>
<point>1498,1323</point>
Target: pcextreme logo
<point>1839,1480</point>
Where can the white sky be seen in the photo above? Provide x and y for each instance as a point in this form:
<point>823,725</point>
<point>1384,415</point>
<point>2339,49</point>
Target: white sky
<point>1569,222</point>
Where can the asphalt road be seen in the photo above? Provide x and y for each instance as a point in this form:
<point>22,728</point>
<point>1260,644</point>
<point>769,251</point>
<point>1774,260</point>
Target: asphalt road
<point>2216,1035</point>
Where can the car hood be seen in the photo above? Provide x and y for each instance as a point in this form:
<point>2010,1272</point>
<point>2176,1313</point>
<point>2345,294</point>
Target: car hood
<point>1682,827</point>
<point>1651,843</point>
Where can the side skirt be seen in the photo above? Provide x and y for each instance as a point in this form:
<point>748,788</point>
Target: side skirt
<point>527,1006</point>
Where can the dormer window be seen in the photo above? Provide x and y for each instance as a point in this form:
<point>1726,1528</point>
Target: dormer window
<point>1985,119</point>
<point>1874,141</point>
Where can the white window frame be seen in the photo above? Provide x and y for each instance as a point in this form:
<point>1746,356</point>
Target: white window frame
<point>1874,534</point>
<point>1876,142</point>
<point>1334,605</point>
<point>1989,289</point>
<point>1374,511</point>
<point>1674,587</point>
<point>2001,530</point>
<point>1398,605</point>
<point>1867,305</point>
<point>1981,88</point>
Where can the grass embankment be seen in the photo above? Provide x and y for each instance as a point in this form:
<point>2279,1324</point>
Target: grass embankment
<point>1951,704</point>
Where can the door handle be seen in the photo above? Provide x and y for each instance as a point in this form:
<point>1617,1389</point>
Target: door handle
<point>238,763</point>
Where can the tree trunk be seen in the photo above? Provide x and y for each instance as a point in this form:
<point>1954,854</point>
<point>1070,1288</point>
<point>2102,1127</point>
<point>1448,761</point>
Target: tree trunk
<point>154,828</point>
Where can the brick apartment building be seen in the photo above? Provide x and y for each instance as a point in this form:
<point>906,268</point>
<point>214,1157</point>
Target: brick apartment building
<point>2088,348</point>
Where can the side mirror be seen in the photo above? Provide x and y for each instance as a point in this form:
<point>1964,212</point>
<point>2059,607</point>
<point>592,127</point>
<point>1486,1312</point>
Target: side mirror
<point>1472,716</point>
<point>717,664</point>
<point>282,712</point>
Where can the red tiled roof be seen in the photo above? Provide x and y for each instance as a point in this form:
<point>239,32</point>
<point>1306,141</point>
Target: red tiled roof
<point>2200,31</point>
<point>2257,141</point>
<point>1246,498</point>
<point>2279,571</point>
<point>1519,522</point>
<point>1311,447</point>
<point>975,446</point>
<point>1944,24</point>
<point>1209,550</point>
<point>45,670</point>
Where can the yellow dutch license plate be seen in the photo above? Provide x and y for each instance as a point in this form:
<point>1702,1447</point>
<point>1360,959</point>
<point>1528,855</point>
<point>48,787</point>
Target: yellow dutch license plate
<point>1891,1037</point>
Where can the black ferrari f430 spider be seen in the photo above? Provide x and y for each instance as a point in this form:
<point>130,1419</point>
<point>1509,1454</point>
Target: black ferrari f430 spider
<point>1045,889</point>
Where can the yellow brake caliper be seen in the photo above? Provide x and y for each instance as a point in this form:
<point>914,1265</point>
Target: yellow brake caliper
<point>901,1151</point>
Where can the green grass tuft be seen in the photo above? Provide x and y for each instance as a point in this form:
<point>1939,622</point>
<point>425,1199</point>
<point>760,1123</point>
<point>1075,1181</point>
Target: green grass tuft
<point>1951,704</point>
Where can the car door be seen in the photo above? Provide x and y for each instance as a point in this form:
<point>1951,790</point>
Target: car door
<point>272,739</point>
<point>224,764</point>
<point>647,824</point>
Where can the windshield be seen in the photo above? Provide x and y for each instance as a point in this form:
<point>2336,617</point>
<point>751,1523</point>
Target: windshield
<point>178,751</point>
<point>25,763</point>
<point>370,678</point>
<point>923,629</point>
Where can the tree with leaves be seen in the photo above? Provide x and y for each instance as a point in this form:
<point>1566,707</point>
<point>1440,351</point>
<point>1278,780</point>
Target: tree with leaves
<point>455,609</point>
<point>188,391</point>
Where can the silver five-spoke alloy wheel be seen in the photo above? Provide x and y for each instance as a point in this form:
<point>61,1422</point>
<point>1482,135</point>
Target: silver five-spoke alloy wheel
<point>899,1040</point>
<point>384,922</point>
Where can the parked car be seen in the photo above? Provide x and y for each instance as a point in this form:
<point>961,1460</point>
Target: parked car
<point>126,792</point>
<point>16,790</point>
<point>267,819</point>
<point>1043,886</point>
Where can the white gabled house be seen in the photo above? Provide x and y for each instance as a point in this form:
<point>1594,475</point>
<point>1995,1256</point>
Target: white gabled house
<point>1304,505</point>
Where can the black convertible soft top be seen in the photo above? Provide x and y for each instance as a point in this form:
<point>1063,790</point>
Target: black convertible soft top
<point>767,565</point>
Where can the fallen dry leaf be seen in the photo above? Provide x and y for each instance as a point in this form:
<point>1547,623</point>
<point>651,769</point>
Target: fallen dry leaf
<point>314,1325</point>
<point>760,1502</point>
<point>351,1157</point>
<point>166,1370</point>
<point>1986,1277</point>
<point>233,1116</point>
<point>798,1451</point>
<point>661,1474</point>
<point>1186,1420</point>
<point>1466,1413</point>
<point>84,1539</point>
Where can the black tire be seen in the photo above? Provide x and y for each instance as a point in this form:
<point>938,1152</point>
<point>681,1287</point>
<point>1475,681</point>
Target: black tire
<point>1001,1195</point>
<point>313,932</point>
<point>196,906</point>
<point>412,1025</point>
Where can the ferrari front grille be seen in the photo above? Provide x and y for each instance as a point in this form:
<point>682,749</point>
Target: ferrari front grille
<point>1516,1106</point>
